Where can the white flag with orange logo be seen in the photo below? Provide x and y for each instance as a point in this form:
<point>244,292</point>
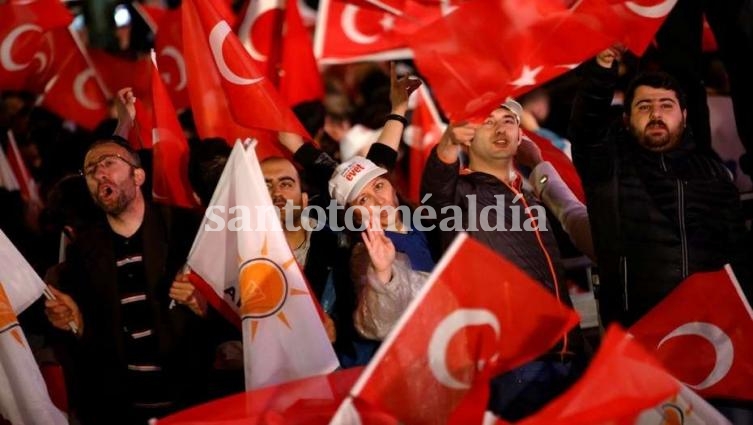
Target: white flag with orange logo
<point>24,398</point>
<point>241,254</point>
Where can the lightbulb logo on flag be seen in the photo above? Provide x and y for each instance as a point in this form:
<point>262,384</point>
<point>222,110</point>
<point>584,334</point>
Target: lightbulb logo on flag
<point>264,288</point>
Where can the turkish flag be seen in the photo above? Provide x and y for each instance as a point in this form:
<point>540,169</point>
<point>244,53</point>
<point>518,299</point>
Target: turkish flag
<point>260,32</point>
<point>633,23</point>
<point>475,66</point>
<point>621,381</point>
<point>346,32</point>
<point>561,163</point>
<point>252,100</point>
<point>476,317</point>
<point>25,54</point>
<point>701,332</point>
<point>76,92</point>
<point>168,44</point>
<point>422,135</point>
<point>170,149</point>
<point>308,401</point>
<point>300,80</point>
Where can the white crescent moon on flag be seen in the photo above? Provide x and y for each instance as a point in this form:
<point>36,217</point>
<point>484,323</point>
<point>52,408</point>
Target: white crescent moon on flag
<point>442,335</point>
<point>725,350</point>
<point>172,52</point>
<point>216,39</point>
<point>256,9</point>
<point>658,10</point>
<point>7,46</point>
<point>348,22</point>
<point>78,89</point>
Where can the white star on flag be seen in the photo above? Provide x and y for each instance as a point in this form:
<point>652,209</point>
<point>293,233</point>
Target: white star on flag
<point>527,77</point>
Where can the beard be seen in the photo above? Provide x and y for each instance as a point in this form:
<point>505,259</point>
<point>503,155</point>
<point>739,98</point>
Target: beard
<point>113,200</point>
<point>654,139</point>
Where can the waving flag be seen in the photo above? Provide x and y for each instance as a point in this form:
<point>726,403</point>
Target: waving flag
<point>625,385</point>
<point>24,398</point>
<point>25,53</point>
<point>422,135</point>
<point>476,317</point>
<point>168,43</point>
<point>349,32</point>
<point>76,92</point>
<point>170,183</point>
<point>230,98</point>
<point>251,273</point>
<point>701,333</point>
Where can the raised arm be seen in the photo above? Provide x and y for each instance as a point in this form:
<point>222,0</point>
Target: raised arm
<point>593,151</point>
<point>125,104</point>
<point>400,91</point>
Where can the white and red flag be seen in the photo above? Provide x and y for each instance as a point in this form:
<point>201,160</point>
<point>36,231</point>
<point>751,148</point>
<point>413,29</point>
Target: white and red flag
<point>476,317</point>
<point>701,332</point>
<point>248,272</point>
<point>24,398</point>
<point>423,133</point>
<point>170,183</point>
<point>230,97</point>
<point>626,385</point>
<point>26,55</point>
<point>76,92</point>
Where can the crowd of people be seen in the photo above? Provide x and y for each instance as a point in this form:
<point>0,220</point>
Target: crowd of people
<point>660,206</point>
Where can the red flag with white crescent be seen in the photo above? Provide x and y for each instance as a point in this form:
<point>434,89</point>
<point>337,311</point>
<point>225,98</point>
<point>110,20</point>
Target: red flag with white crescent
<point>168,44</point>
<point>701,333</point>
<point>76,92</point>
<point>472,320</point>
<point>26,55</point>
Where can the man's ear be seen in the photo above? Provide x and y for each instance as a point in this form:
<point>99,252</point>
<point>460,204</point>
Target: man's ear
<point>684,118</point>
<point>140,176</point>
<point>304,200</point>
<point>625,119</point>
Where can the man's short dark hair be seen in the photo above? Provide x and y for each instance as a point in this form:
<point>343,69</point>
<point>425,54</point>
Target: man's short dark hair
<point>301,173</point>
<point>123,143</point>
<point>657,80</point>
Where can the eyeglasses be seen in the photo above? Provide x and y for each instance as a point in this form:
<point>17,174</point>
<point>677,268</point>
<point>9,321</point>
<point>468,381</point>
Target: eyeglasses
<point>106,162</point>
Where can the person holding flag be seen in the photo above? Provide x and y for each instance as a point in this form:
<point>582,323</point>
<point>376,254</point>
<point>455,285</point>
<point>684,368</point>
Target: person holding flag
<point>136,357</point>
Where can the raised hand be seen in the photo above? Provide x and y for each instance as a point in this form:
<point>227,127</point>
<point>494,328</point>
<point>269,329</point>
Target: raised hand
<point>125,104</point>
<point>400,90</point>
<point>380,248</point>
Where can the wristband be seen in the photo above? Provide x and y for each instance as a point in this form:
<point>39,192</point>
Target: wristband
<point>397,117</point>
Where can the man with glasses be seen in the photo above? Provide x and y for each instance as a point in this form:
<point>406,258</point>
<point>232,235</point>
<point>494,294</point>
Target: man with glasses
<point>132,351</point>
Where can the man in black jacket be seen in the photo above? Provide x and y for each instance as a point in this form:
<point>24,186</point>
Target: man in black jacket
<point>517,230</point>
<point>135,356</point>
<point>660,210</point>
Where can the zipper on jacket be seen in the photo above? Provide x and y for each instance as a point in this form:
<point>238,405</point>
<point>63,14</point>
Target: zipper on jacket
<point>683,235</point>
<point>550,263</point>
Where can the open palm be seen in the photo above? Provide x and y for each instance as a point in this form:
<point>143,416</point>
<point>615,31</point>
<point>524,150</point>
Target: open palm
<point>380,248</point>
